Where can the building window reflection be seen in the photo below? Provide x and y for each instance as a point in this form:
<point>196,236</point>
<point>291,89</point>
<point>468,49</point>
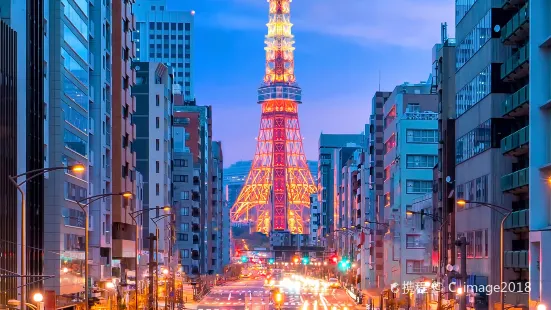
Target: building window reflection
<point>474,91</point>
<point>75,143</point>
<point>474,41</point>
<point>474,142</point>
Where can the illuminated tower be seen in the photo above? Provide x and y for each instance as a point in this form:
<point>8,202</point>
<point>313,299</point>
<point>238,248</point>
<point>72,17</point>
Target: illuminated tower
<point>276,194</point>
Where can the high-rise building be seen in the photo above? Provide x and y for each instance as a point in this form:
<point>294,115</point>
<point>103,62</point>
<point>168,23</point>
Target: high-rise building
<point>26,18</point>
<point>483,64</point>
<point>153,146</point>
<point>74,81</point>
<point>330,147</point>
<point>123,156</point>
<point>410,135</point>
<point>538,137</point>
<point>443,66</point>
<point>187,210</point>
<point>197,121</point>
<point>166,36</point>
<point>277,191</point>
<point>315,216</point>
<point>217,223</point>
<point>8,160</point>
<point>374,210</point>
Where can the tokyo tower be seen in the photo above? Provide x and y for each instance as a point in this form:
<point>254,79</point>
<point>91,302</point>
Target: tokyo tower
<point>276,194</point>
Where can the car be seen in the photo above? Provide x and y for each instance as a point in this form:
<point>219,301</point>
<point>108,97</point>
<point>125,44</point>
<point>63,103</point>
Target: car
<point>334,283</point>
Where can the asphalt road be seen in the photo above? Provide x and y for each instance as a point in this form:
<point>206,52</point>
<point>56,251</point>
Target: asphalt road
<point>248,294</point>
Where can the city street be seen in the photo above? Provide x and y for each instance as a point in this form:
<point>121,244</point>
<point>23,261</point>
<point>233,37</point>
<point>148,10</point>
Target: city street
<point>252,295</point>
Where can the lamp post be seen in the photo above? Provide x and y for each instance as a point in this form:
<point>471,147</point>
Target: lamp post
<point>83,204</point>
<point>155,221</point>
<point>134,215</point>
<point>29,175</point>
<point>498,209</point>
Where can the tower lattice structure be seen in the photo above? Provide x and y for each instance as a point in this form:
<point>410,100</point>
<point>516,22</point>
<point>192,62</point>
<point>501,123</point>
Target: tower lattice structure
<point>276,194</point>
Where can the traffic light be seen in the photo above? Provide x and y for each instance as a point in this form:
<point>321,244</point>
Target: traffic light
<point>344,264</point>
<point>244,259</point>
<point>305,260</point>
<point>296,259</point>
<point>271,261</point>
<point>334,259</point>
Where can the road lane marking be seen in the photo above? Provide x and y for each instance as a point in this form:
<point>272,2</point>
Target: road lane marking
<point>301,299</point>
<point>229,296</point>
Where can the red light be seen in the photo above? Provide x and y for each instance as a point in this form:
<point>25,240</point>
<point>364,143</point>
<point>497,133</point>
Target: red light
<point>334,259</point>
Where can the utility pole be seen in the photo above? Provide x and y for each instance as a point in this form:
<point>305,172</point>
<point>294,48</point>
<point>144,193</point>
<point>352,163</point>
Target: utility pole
<point>151,264</point>
<point>462,244</point>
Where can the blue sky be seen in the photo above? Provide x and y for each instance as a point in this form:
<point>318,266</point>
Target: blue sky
<point>341,46</point>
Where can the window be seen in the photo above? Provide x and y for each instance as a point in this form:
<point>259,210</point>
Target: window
<point>390,143</point>
<point>185,253</point>
<point>486,237</point>
<point>459,235</point>
<point>414,242</point>
<point>185,162</point>
<point>74,192</point>
<point>474,41</point>
<point>387,172</point>
<point>157,100</point>
<point>157,189</point>
<point>416,266</point>
<point>413,107</point>
<point>470,244</point>
<point>185,211</point>
<point>157,166</point>
<point>478,244</point>
<point>422,136</point>
<point>157,122</point>
<point>474,142</point>
<point>421,161</point>
<point>461,9</point>
<point>72,217</point>
<point>75,143</point>
<point>180,163</point>
<point>182,237</point>
<point>185,227</point>
<point>180,178</point>
<point>184,195</point>
<point>157,144</point>
<point>418,186</point>
<point>474,91</point>
<point>387,199</point>
<point>389,118</point>
<point>474,190</point>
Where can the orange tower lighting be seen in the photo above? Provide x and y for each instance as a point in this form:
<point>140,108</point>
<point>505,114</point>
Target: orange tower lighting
<point>276,194</point>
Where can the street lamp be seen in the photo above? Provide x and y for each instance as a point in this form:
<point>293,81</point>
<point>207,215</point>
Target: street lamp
<point>29,175</point>
<point>134,215</point>
<point>498,209</point>
<point>38,297</point>
<point>83,204</point>
<point>155,221</point>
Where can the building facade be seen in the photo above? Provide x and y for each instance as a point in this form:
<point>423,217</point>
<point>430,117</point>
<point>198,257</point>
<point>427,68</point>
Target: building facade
<point>167,37</point>
<point>187,211</point>
<point>443,66</point>
<point>123,156</point>
<point>197,121</point>
<point>217,200</point>
<point>26,18</point>
<point>374,209</point>
<point>8,158</point>
<point>538,194</point>
<point>481,91</point>
<point>410,135</point>
<point>330,146</point>
<point>315,215</point>
<point>153,146</point>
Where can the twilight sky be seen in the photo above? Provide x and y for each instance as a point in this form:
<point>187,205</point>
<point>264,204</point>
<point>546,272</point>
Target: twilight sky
<point>340,48</point>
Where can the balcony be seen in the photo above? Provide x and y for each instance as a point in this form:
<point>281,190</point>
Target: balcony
<point>108,14</point>
<point>108,137</point>
<point>108,75</point>
<point>516,143</point>
<point>91,27</point>
<point>195,212</point>
<point>516,299</point>
<point>91,61</point>
<point>108,104</point>
<point>196,180</point>
<point>195,196</point>
<point>518,220</point>
<point>517,103</point>
<point>195,239</point>
<point>516,182</point>
<point>516,66</point>
<point>515,259</point>
<point>516,30</point>
<point>513,4</point>
<point>195,255</point>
